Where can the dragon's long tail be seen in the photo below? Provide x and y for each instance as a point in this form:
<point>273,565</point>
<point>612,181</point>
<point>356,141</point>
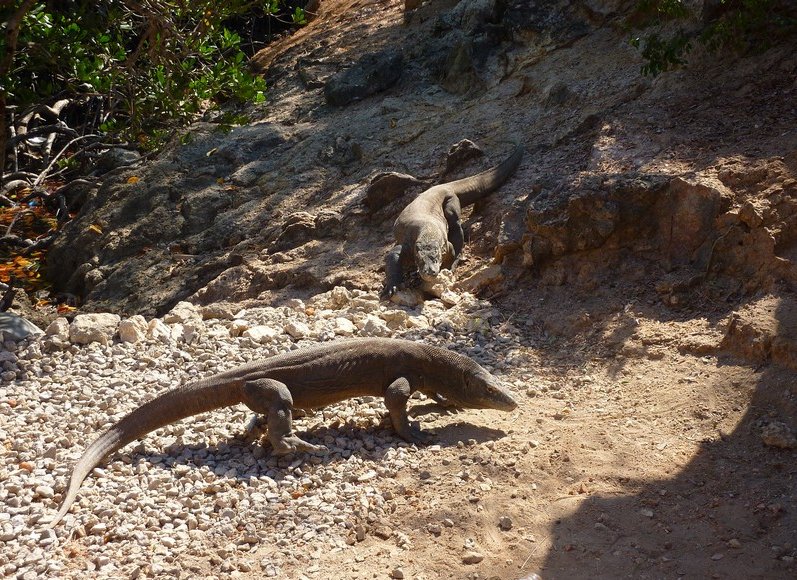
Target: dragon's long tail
<point>191,399</point>
<point>471,189</point>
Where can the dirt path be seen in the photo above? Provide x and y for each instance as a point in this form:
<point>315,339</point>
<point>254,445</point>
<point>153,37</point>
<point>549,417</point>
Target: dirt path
<point>636,453</point>
<point>649,365</point>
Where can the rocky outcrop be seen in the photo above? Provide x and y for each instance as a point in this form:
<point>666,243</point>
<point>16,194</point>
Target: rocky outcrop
<point>763,331</point>
<point>373,73</point>
<point>623,174</point>
<point>694,225</point>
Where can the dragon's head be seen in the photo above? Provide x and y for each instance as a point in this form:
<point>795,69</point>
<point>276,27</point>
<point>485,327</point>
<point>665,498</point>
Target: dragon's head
<point>428,257</point>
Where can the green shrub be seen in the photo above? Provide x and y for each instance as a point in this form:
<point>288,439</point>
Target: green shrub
<point>738,25</point>
<point>150,63</point>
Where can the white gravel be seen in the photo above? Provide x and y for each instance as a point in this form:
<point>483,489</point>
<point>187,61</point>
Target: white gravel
<point>201,488</point>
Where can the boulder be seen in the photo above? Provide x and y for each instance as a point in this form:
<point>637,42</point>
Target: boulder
<point>14,327</point>
<point>87,328</point>
<point>373,73</point>
<point>133,329</point>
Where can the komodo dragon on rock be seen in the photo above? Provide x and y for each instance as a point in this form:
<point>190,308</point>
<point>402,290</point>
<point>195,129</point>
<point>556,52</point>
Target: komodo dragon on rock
<point>305,379</point>
<point>429,232</point>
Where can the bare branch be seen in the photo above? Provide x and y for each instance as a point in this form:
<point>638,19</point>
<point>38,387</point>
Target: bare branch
<point>61,127</point>
<point>43,174</point>
<point>12,185</point>
<point>12,34</point>
<point>18,175</point>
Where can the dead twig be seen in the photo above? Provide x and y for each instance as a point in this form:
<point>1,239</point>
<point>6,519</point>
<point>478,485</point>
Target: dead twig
<point>8,296</point>
<point>43,174</point>
<point>12,26</point>
<point>51,113</point>
<point>12,185</point>
<point>26,175</point>
<point>61,128</point>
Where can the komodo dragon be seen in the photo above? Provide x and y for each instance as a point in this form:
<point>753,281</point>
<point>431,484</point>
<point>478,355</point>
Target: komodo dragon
<point>305,379</point>
<point>428,231</point>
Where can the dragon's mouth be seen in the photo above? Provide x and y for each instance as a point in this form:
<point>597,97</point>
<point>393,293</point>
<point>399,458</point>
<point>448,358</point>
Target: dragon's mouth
<point>507,403</point>
<point>428,277</point>
<point>428,272</point>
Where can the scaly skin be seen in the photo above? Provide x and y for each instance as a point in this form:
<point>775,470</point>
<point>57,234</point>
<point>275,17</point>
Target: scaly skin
<point>305,379</point>
<point>428,231</point>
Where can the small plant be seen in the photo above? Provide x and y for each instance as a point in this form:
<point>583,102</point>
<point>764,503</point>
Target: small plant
<point>738,25</point>
<point>151,63</point>
<point>661,55</point>
<point>79,77</point>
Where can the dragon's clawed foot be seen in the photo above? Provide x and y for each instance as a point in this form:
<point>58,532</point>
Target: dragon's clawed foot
<point>415,435</point>
<point>387,292</point>
<point>292,444</point>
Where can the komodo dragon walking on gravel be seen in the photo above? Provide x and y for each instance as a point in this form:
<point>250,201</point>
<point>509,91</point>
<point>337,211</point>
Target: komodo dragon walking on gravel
<point>305,379</point>
<point>429,232</point>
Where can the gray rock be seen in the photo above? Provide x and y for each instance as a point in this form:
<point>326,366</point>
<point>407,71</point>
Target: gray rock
<point>221,310</point>
<point>301,227</point>
<point>561,20</point>
<point>261,333</point>
<point>557,95</point>
<point>343,152</point>
<point>297,330</point>
<point>86,328</point>
<point>158,330</point>
<point>410,297</point>
<point>778,434</point>
<point>183,312</point>
<point>44,491</point>
<point>472,558</point>
<point>459,75</point>
<point>374,73</point>
<point>374,326</point>
<point>14,327</point>
<point>472,17</point>
<point>559,224</point>
<point>114,159</point>
<point>388,187</point>
<point>343,326</point>
<point>460,153</point>
<point>133,329</point>
<point>339,297</point>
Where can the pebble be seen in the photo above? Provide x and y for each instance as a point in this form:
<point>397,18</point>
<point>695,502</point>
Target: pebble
<point>397,573</point>
<point>8,533</point>
<point>367,476</point>
<point>472,557</point>
<point>44,491</point>
<point>297,330</point>
<point>192,489</point>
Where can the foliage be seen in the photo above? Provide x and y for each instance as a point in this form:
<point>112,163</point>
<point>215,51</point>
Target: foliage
<point>79,76</point>
<point>722,25</point>
<point>152,62</point>
<point>31,220</point>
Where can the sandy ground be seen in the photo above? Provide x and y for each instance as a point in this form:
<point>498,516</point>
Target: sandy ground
<point>637,449</point>
<point>636,453</point>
